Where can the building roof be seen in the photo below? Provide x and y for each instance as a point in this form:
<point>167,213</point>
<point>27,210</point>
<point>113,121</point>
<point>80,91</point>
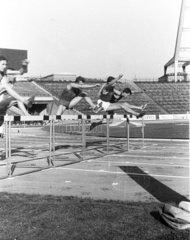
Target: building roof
<point>63,73</point>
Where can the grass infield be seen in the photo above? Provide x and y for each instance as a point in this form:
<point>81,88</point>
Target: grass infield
<point>55,217</point>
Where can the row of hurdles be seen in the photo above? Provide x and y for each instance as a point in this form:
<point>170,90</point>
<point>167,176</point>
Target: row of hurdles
<point>51,156</point>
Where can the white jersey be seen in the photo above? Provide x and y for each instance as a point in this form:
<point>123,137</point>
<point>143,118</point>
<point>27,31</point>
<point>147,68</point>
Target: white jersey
<point>2,90</point>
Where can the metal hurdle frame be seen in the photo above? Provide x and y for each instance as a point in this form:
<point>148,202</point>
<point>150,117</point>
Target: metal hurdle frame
<point>10,167</point>
<point>128,131</point>
<point>51,158</point>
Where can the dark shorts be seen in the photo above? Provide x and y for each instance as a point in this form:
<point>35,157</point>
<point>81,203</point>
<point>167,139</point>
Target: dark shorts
<point>83,94</point>
<point>64,102</point>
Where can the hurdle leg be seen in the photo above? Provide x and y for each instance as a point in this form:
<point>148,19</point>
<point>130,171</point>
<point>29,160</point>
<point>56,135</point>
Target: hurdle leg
<point>8,148</point>
<point>10,143</point>
<point>6,139</point>
<point>50,157</point>
<point>108,134</point>
<point>83,137</point>
<point>127,127</point>
<point>53,142</point>
<point>66,127</point>
<point>142,132</point>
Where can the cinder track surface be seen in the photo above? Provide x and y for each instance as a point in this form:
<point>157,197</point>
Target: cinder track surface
<point>157,171</point>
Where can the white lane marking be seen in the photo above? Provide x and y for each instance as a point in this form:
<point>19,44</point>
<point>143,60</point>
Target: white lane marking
<point>122,173</point>
<point>140,163</point>
<point>145,156</point>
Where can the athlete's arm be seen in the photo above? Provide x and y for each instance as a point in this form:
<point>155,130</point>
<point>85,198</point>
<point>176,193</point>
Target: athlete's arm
<point>115,79</point>
<point>117,92</point>
<point>76,85</point>
<point>21,71</point>
<point>138,91</point>
<point>99,92</point>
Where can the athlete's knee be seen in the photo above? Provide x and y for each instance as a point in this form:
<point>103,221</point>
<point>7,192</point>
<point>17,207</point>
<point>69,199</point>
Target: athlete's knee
<point>61,108</point>
<point>126,105</point>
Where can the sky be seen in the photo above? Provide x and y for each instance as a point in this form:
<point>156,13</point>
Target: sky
<point>92,38</point>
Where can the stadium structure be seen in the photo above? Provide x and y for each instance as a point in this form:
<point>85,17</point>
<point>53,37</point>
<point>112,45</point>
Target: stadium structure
<point>14,57</point>
<point>181,57</point>
<point>168,95</point>
<point>59,77</point>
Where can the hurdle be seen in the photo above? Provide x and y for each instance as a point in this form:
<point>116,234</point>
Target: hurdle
<point>8,146</point>
<point>11,165</point>
<point>51,156</point>
<point>128,118</point>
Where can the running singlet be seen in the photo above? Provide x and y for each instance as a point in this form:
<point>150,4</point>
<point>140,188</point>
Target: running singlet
<point>108,95</point>
<point>6,101</point>
<point>68,95</point>
<point>1,78</point>
<point>115,99</point>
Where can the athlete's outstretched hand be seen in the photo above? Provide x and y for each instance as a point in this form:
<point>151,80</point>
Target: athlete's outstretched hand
<point>25,62</point>
<point>120,75</point>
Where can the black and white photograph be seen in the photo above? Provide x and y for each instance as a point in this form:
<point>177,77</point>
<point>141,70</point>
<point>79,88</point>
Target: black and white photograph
<point>94,120</point>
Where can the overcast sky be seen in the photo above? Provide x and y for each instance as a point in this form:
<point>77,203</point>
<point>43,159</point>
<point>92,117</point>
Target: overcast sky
<point>92,38</point>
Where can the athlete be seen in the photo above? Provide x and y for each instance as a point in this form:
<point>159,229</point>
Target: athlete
<point>73,94</point>
<point>8,96</point>
<point>109,97</point>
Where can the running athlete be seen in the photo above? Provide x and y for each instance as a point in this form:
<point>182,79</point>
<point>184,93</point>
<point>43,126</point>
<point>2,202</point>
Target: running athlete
<point>109,97</point>
<point>73,94</point>
<point>8,96</point>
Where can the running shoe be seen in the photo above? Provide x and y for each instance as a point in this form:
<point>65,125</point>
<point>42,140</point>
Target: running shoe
<point>97,108</point>
<point>30,101</point>
<point>140,115</point>
<point>144,106</point>
<point>93,125</point>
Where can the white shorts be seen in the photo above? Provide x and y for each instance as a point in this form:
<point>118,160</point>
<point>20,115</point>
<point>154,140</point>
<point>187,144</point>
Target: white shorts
<point>104,105</point>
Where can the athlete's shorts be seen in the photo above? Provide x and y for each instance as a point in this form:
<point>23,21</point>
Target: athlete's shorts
<point>103,104</point>
<point>6,101</point>
<point>83,94</point>
<point>64,102</point>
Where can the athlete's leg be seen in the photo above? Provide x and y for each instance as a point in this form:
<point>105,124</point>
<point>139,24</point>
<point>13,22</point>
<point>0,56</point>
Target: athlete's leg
<point>89,101</point>
<point>101,122</point>
<point>129,110</point>
<point>75,101</point>
<point>132,106</point>
<point>142,107</point>
<point>95,124</point>
<point>22,108</point>
<point>29,101</point>
<point>117,106</point>
<point>14,94</point>
<point>60,110</point>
